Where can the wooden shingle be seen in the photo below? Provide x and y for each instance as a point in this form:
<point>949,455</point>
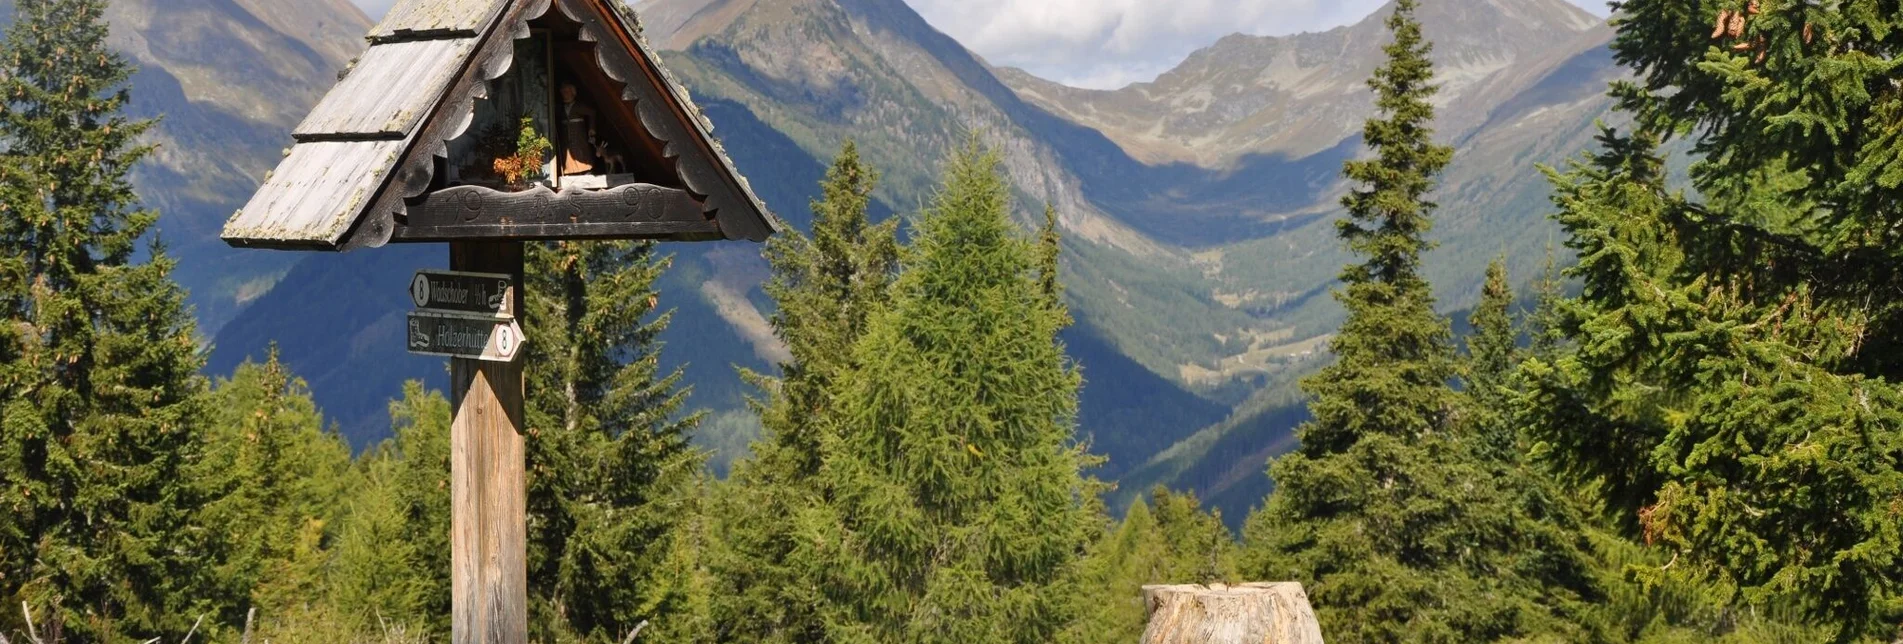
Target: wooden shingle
<point>388,93</point>
<point>316,193</point>
<point>411,19</point>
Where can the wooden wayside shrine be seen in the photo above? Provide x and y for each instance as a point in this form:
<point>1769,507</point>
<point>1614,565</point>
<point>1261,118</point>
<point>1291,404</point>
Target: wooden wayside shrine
<point>486,124</point>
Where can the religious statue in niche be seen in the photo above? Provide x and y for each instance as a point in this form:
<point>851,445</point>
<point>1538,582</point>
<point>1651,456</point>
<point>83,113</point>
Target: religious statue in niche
<point>587,156</point>
<point>539,126</point>
<point>578,132</point>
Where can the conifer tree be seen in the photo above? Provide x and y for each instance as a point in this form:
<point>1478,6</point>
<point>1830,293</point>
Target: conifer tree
<point>611,476</point>
<point>825,287</point>
<point>1543,324</point>
<point>1177,543</point>
<point>391,562</point>
<point>1492,355</point>
<point>101,407</point>
<point>957,506</point>
<point>1398,530</point>
<point>1721,392</point>
<point>1394,352</point>
<point>279,480</point>
<point>1050,251</point>
<point>1732,386</point>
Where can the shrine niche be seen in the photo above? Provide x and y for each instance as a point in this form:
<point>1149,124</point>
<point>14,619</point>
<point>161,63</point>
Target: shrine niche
<point>497,120</point>
<point>487,124</point>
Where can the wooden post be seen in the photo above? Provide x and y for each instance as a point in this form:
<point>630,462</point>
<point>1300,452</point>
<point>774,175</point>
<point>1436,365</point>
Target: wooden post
<point>488,522</point>
<point>1253,613</point>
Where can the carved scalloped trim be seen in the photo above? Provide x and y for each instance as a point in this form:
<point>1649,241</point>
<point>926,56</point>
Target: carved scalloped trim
<point>630,91</point>
<point>417,169</point>
<point>656,117</point>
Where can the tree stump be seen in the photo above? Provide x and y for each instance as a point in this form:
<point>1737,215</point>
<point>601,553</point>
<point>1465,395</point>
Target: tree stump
<point>1252,613</point>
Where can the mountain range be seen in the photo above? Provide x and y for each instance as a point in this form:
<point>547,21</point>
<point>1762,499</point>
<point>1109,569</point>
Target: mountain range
<point>1197,208</point>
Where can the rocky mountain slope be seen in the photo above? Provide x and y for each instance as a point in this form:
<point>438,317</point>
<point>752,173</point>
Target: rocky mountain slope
<point>229,78</point>
<point>1196,208</point>
<point>1199,206</point>
<point>1299,95</point>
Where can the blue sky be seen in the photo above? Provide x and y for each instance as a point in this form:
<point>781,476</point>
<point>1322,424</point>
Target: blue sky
<point>1107,44</point>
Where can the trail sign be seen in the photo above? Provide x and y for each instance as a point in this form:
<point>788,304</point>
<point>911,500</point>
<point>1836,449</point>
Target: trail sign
<point>465,336</point>
<point>461,291</point>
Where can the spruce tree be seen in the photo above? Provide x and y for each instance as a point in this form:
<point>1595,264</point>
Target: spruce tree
<point>611,476</point>
<point>1733,385</point>
<point>1543,325</point>
<point>1724,391</point>
<point>825,288</point>
<point>1492,355</point>
<point>957,508</point>
<point>101,407</point>
<point>1394,353</point>
<point>1385,512</point>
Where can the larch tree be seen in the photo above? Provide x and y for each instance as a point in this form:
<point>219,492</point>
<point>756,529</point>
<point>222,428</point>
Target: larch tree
<point>1385,513</point>
<point>612,479</point>
<point>279,481</point>
<point>825,287</point>
<point>957,507</point>
<point>391,560</point>
<point>1170,540</point>
<point>101,405</point>
<point>1050,253</point>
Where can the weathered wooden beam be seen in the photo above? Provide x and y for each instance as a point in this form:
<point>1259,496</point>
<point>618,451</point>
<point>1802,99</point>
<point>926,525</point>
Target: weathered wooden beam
<point>633,211</point>
<point>488,498</point>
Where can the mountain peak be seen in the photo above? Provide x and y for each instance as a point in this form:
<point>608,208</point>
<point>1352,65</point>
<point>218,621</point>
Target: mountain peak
<point>1299,94</point>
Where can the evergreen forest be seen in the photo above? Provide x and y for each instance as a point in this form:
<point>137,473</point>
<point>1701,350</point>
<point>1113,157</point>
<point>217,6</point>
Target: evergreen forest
<point>1685,429</point>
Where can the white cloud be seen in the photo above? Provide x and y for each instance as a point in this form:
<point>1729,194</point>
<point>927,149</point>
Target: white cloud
<point>1112,43</point>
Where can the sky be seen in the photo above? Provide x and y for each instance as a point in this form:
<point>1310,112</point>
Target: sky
<point>1107,44</point>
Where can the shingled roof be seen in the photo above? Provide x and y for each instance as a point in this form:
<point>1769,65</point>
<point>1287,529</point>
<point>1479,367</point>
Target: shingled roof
<point>373,142</point>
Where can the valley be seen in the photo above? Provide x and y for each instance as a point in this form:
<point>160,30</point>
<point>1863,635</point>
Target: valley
<point>1197,209</point>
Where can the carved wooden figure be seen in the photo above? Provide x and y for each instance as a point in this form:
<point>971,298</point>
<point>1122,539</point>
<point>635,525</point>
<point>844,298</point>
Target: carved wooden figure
<point>412,145</point>
<point>578,132</point>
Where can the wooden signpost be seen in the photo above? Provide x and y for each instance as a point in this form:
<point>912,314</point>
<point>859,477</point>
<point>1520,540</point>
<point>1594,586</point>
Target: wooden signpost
<point>463,336</point>
<point>417,143</point>
<point>487,491</point>
<point>465,292</point>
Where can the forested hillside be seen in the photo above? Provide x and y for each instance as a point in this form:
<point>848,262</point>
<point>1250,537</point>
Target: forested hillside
<point>1681,424</point>
<point>1184,318</point>
<point>1197,262</point>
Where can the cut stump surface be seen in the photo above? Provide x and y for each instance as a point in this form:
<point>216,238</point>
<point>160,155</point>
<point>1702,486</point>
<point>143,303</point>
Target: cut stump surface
<point>1252,613</point>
